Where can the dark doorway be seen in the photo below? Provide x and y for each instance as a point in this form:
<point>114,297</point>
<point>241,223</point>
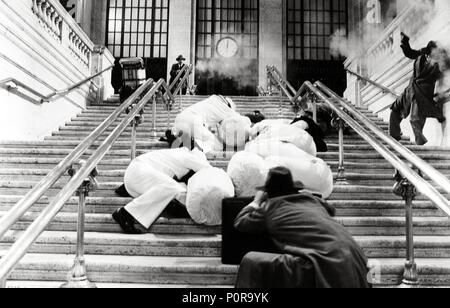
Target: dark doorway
<point>139,28</point>
<point>227,47</point>
<point>310,26</point>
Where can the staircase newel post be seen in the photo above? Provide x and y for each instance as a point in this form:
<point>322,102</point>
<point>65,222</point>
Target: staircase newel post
<point>180,96</point>
<point>154,133</point>
<point>133,139</point>
<point>405,189</point>
<point>340,125</point>
<point>78,275</point>
<point>280,112</point>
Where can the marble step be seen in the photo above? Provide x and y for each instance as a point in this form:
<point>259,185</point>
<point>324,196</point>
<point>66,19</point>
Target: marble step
<point>207,245</point>
<point>358,208</point>
<point>197,271</point>
<point>128,269</point>
<point>387,226</point>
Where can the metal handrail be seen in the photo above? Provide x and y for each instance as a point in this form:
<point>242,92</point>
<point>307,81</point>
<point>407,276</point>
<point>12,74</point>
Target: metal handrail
<point>56,94</point>
<point>9,219</point>
<point>419,163</point>
<point>6,84</point>
<point>421,184</point>
<point>184,80</point>
<point>376,84</point>
<point>284,85</point>
<point>178,77</point>
<point>21,246</point>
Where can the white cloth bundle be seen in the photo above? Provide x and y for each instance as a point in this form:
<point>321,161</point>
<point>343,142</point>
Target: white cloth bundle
<point>292,134</point>
<point>206,191</point>
<point>260,127</point>
<point>313,172</point>
<point>235,131</point>
<point>198,121</point>
<point>247,171</point>
<point>266,148</point>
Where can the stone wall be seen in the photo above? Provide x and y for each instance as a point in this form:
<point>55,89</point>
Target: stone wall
<point>43,48</point>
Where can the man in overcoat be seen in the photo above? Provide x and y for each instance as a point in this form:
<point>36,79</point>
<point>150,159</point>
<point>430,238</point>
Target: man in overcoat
<point>314,251</point>
<point>418,99</point>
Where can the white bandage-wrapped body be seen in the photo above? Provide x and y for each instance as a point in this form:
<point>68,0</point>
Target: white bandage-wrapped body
<point>197,121</point>
<point>247,171</point>
<point>206,191</point>
<point>313,172</point>
<point>150,180</point>
<point>290,134</point>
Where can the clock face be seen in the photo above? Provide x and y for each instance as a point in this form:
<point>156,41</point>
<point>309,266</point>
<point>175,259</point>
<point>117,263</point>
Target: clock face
<point>227,47</point>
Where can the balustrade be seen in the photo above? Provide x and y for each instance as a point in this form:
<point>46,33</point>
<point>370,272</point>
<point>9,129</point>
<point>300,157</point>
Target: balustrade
<point>59,24</point>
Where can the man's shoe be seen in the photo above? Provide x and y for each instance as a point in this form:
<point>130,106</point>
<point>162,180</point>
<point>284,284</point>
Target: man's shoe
<point>442,120</point>
<point>125,221</point>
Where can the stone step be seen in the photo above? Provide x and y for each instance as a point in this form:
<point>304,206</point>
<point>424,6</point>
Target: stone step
<point>50,153</point>
<point>122,244</point>
<point>197,271</point>
<point>359,208</point>
<point>387,226</point>
<point>129,269</point>
<point>71,144</point>
<point>206,245</point>
<point>122,164</point>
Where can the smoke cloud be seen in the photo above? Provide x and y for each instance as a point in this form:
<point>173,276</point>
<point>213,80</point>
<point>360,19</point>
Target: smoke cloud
<point>360,39</point>
<point>238,70</point>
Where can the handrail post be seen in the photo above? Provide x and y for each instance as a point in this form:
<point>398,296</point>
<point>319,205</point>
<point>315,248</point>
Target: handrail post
<point>180,97</point>
<point>78,275</point>
<point>340,125</point>
<point>154,133</point>
<point>134,125</point>
<point>280,111</point>
<point>405,189</point>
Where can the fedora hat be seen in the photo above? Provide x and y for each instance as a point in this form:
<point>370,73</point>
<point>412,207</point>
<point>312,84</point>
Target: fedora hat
<point>280,183</point>
<point>180,57</point>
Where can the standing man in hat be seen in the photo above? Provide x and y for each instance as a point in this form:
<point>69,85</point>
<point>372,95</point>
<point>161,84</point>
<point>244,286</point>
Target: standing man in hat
<point>314,251</point>
<point>418,99</point>
<point>176,69</point>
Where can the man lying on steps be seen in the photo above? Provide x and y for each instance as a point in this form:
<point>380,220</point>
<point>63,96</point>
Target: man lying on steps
<point>201,122</point>
<point>151,180</point>
<point>314,249</point>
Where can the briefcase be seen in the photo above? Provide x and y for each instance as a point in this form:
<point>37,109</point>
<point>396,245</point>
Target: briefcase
<point>235,245</point>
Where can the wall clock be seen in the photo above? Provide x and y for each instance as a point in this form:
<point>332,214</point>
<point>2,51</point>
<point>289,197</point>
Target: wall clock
<point>227,47</point>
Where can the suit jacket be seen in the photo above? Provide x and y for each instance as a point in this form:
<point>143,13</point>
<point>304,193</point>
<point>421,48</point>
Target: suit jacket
<point>174,71</point>
<point>302,226</point>
<point>418,98</point>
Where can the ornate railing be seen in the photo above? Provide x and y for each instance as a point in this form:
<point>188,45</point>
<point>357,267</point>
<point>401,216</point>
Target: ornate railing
<point>60,25</point>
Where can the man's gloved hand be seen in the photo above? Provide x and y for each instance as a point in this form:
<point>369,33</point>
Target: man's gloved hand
<point>405,38</point>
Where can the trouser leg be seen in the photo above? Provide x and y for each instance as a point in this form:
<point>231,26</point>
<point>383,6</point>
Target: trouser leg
<point>266,270</point>
<point>154,191</point>
<point>394,124</point>
<point>417,126</point>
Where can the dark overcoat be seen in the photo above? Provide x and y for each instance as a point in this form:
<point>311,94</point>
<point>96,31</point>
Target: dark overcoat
<point>418,98</point>
<point>302,226</point>
<point>174,71</point>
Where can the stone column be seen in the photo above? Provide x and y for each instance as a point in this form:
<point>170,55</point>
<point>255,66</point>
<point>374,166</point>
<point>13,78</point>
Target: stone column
<point>271,37</point>
<point>181,34</point>
<point>98,21</point>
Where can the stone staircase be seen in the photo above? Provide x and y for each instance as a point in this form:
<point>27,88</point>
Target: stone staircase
<point>178,253</point>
